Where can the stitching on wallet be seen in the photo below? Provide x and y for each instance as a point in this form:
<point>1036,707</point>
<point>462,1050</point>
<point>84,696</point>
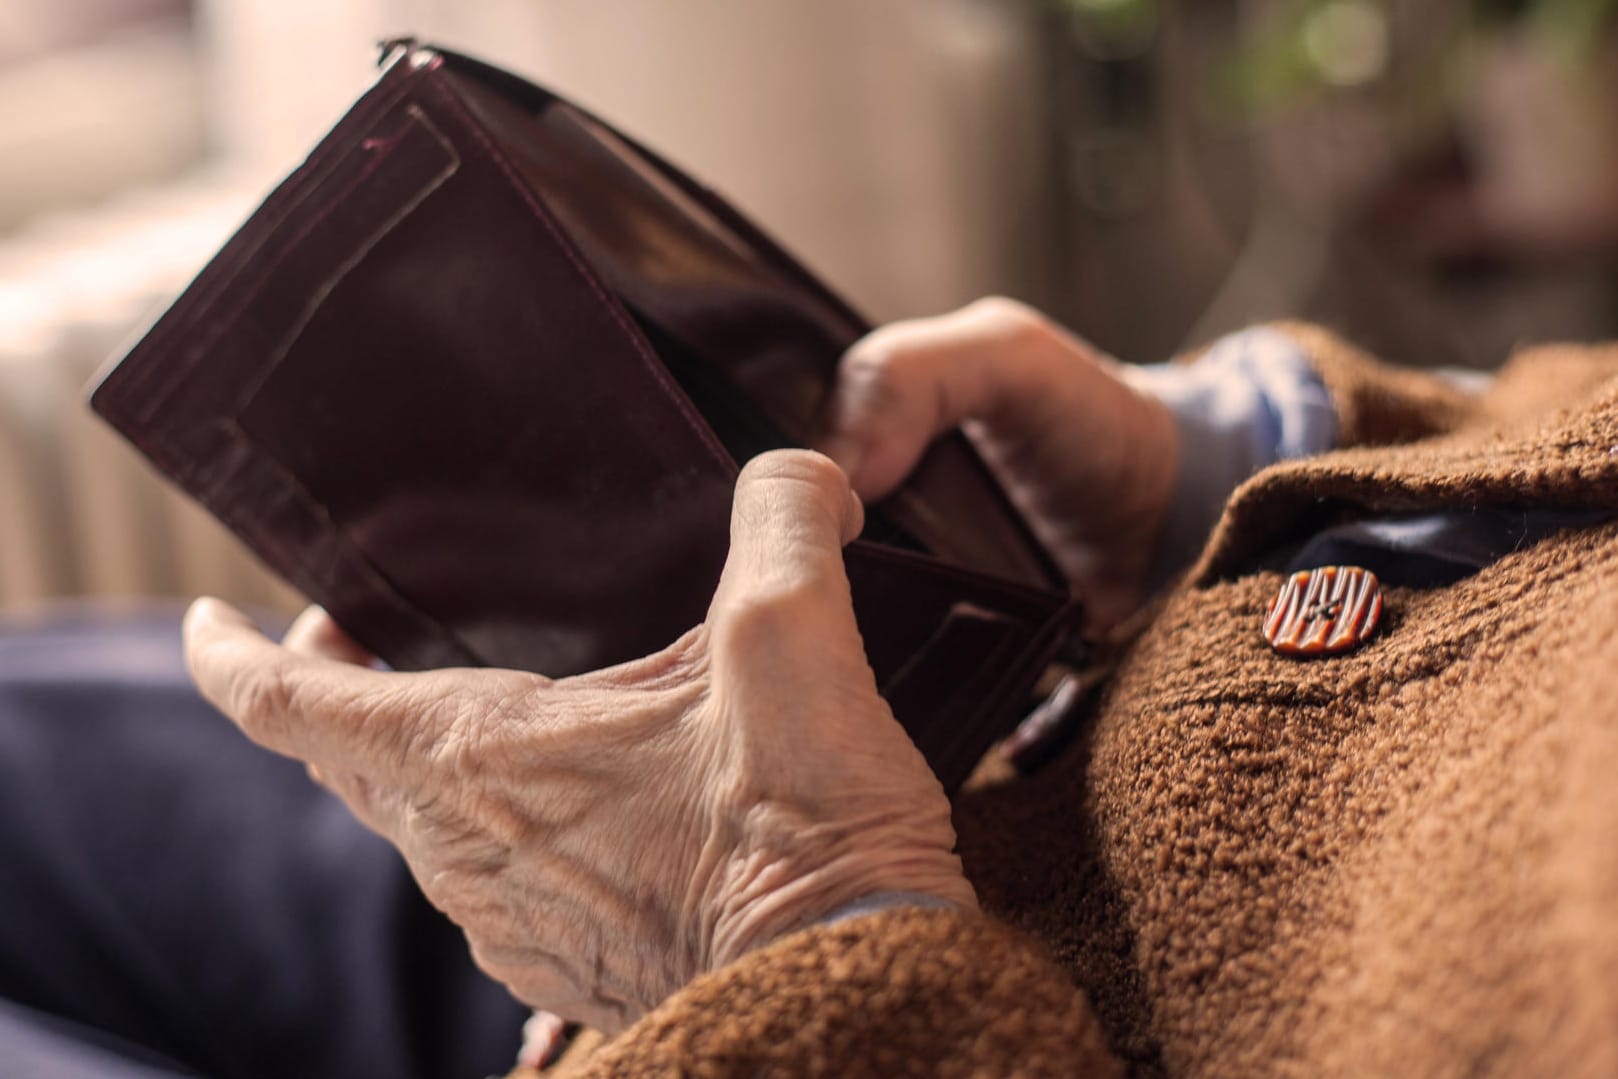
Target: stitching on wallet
<point>276,355</point>
<point>614,309</point>
<point>193,356</point>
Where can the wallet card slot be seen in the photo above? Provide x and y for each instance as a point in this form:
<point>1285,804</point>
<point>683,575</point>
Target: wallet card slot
<point>954,653</point>
<point>971,652</point>
<point>353,225</point>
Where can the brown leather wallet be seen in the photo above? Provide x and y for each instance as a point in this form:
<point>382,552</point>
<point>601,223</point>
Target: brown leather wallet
<point>476,377</point>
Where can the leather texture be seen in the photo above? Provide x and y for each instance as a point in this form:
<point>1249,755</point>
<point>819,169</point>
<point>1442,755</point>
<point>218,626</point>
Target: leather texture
<point>477,378</point>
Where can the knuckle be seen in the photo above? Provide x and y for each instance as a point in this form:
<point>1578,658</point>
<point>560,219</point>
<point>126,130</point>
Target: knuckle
<point>801,472</point>
<point>875,372</point>
<point>872,387</point>
<point>888,352</point>
<point>873,354</point>
<point>1003,317</point>
<point>767,619</point>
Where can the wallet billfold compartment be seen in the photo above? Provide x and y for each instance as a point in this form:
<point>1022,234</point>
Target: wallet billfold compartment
<point>478,378</point>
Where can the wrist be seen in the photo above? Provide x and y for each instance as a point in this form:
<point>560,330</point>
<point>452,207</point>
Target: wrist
<point>777,896</point>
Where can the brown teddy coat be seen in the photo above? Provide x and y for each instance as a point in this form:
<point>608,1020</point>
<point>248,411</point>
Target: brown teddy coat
<point>1400,861</point>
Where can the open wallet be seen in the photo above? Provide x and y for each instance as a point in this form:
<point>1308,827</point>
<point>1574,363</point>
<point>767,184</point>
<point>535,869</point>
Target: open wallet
<point>478,377</point>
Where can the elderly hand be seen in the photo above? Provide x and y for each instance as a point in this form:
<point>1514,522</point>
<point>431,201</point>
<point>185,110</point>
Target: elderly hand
<point>1088,460</point>
<point>603,839</point>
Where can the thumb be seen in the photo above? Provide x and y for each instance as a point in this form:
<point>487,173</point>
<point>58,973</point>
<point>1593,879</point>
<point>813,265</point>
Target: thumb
<point>792,514</point>
<point>903,385</point>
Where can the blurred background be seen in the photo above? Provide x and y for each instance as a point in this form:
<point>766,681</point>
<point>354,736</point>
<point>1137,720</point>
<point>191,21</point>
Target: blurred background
<point>1436,178</point>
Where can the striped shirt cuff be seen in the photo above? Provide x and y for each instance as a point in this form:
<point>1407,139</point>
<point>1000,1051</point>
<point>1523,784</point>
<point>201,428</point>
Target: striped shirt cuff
<point>1252,399</point>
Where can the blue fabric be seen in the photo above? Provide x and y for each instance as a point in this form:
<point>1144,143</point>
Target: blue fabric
<point>175,900</point>
<point>37,1045</point>
<point>1430,550</point>
<point>881,901</point>
<point>1251,400</point>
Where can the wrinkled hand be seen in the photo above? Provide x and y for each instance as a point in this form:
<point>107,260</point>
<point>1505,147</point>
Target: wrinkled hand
<point>1089,460</point>
<point>603,839</point>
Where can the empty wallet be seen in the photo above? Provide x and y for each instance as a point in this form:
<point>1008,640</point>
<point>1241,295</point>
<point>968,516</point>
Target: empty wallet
<point>477,378</point>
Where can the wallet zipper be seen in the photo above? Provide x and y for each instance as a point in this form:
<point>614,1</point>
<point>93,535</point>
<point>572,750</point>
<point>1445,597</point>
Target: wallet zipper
<point>390,50</point>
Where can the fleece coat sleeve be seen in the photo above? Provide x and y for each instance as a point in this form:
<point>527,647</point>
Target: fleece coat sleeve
<point>902,992</point>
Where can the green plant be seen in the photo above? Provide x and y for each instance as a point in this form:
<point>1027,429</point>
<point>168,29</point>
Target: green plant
<point>1295,50</point>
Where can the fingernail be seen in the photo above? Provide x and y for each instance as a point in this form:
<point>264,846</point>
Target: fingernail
<point>856,517</point>
<point>847,452</point>
<point>207,609</point>
<point>309,616</point>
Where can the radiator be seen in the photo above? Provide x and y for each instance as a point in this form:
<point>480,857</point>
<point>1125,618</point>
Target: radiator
<point>81,514</point>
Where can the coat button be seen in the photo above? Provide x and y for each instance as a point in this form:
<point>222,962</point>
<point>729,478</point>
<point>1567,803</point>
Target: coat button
<point>1320,612</point>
